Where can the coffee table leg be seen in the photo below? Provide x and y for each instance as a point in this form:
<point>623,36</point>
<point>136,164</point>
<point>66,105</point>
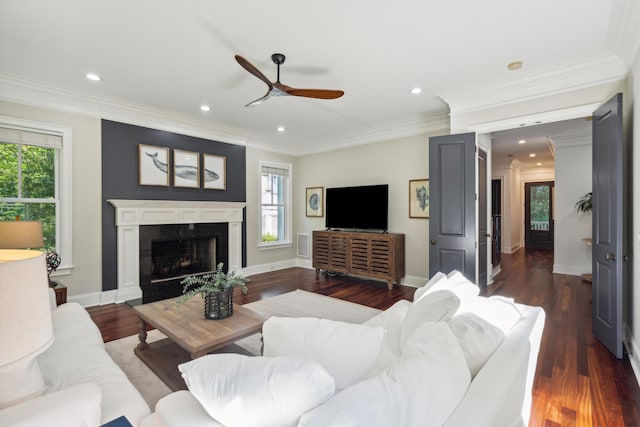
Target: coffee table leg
<point>142,336</point>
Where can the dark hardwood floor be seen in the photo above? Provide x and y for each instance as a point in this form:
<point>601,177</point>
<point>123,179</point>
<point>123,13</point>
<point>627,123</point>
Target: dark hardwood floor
<point>578,382</point>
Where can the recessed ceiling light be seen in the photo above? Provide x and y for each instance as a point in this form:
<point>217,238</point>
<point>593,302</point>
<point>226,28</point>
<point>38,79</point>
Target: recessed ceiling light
<point>532,155</point>
<point>416,90</point>
<point>515,65</point>
<point>538,164</point>
<point>522,141</point>
<point>93,77</point>
<point>205,108</point>
<point>280,128</point>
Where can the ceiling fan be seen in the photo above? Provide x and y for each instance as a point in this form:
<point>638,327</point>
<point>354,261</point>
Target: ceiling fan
<point>278,89</point>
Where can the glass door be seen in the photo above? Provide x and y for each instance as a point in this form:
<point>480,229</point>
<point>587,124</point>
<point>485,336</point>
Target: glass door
<point>539,215</point>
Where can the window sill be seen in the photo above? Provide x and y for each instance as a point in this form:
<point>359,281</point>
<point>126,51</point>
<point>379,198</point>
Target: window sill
<point>278,245</point>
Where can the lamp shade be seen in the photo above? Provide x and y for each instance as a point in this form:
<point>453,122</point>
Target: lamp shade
<point>21,235</point>
<point>26,328</point>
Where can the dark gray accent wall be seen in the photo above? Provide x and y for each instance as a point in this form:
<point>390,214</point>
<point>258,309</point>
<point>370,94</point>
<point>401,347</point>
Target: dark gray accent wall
<point>120,180</point>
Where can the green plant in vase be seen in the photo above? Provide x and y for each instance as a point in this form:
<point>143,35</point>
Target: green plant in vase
<point>216,289</point>
<point>585,203</point>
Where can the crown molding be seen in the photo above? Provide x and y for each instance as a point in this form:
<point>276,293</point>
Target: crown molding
<point>433,124</point>
<point>38,94</point>
<point>589,71</point>
<point>624,32</point>
<point>571,140</point>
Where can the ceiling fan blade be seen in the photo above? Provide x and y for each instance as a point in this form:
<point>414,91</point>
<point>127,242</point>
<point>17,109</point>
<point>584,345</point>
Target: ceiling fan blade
<point>310,93</point>
<point>259,100</point>
<point>253,70</point>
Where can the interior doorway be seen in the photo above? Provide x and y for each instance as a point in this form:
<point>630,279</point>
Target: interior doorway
<point>538,215</point>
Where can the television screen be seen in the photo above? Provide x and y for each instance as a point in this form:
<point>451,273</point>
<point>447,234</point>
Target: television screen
<point>358,208</point>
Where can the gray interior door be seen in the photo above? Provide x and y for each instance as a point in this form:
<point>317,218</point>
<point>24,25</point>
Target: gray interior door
<point>608,222</point>
<point>483,229</point>
<point>452,222</point>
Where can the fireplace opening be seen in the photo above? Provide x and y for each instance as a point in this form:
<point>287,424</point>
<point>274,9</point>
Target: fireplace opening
<point>171,252</point>
<point>177,259</point>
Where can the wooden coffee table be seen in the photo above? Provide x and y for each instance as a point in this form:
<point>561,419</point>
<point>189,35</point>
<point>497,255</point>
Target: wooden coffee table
<point>189,334</point>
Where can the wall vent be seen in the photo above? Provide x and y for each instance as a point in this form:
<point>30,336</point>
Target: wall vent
<point>303,245</point>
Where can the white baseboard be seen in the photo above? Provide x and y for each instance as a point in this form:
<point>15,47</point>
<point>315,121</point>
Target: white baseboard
<point>264,268</point>
<point>634,352</point>
<point>414,281</point>
<point>574,270</point>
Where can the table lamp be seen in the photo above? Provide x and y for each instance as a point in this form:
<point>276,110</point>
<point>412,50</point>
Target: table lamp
<point>26,328</point>
<point>27,235</point>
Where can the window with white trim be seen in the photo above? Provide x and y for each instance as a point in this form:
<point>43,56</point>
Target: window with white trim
<point>275,196</point>
<point>31,187</point>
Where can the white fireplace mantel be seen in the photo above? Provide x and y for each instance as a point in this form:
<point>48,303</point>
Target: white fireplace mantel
<point>131,214</point>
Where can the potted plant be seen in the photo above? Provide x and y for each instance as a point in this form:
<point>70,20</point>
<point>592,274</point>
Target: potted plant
<point>585,203</point>
<point>216,289</point>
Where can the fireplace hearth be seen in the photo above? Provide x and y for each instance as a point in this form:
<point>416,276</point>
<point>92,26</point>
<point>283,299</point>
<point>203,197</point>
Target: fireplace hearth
<point>171,252</point>
<point>134,215</point>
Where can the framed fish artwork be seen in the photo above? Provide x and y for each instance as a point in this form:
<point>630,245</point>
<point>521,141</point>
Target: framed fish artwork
<point>419,198</point>
<point>186,169</point>
<point>153,165</point>
<point>214,172</point>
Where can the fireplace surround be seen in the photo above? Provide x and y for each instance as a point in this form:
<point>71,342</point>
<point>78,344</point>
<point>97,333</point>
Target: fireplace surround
<point>132,214</point>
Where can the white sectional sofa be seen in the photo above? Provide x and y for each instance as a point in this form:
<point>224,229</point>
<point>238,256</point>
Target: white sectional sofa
<point>84,386</point>
<point>449,358</point>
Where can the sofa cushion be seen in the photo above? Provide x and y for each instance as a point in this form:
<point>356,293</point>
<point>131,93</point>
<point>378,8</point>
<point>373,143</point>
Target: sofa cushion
<point>432,307</point>
<point>421,390</point>
<point>78,356</point>
<point>437,278</point>
<point>348,351</point>
<point>238,390</point>
<point>478,339</point>
<point>499,311</point>
<point>77,406</point>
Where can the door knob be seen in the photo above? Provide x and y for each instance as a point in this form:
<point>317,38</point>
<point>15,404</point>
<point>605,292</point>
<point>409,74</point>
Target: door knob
<point>610,257</point>
<point>433,241</point>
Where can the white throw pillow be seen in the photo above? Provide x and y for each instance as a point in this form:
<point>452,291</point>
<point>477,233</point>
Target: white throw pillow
<point>238,390</point>
<point>432,307</point>
<point>499,311</point>
<point>348,351</point>
<point>422,390</point>
<point>437,278</point>
<point>477,338</point>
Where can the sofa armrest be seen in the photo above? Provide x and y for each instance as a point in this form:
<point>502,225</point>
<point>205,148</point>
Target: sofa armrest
<point>179,409</point>
<point>77,406</point>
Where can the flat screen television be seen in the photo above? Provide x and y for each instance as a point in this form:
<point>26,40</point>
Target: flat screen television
<point>358,208</point>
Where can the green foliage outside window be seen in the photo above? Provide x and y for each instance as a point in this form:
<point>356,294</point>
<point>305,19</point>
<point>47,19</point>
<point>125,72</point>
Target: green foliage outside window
<point>540,199</point>
<point>269,237</point>
<point>27,187</point>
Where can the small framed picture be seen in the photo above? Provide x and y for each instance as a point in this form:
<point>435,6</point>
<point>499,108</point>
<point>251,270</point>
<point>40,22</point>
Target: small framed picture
<point>153,165</point>
<point>186,169</point>
<point>419,198</point>
<point>214,172</point>
<point>315,206</point>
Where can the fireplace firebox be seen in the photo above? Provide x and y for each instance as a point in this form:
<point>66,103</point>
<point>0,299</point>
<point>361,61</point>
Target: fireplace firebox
<point>171,252</point>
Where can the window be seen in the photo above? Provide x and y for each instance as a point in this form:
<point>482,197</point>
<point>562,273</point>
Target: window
<point>275,198</point>
<point>31,183</point>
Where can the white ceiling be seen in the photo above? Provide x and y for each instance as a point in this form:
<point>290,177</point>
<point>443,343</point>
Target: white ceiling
<point>172,57</point>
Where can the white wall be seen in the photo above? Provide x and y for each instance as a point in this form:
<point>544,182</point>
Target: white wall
<point>573,180</point>
<point>509,174</point>
<point>392,162</point>
<point>633,318</point>
<point>86,275</point>
<point>260,260</point>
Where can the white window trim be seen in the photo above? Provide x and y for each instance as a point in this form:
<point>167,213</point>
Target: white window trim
<point>287,242</point>
<point>63,184</point>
